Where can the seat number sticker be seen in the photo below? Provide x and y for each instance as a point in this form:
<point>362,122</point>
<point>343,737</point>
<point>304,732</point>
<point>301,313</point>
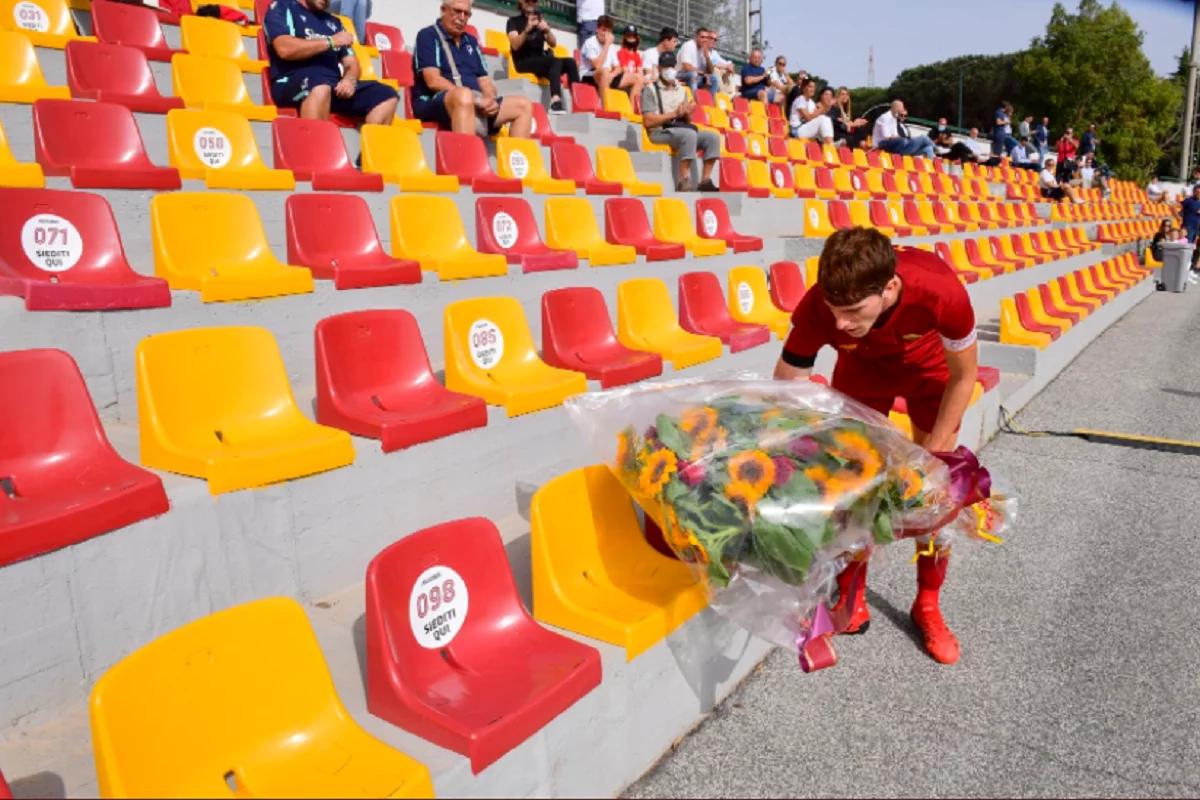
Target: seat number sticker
<point>505,230</point>
<point>486,343</point>
<point>51,242</point>
<point>212,147</point>
<point>382,42</point>
<point>814,218</point>
<point>710,223</point>
<point>755,147</point>
<point>437,608</point>
<point>780,177</point>
<point>31,17</point>
<point>745,297</point>
<point>518,163</point>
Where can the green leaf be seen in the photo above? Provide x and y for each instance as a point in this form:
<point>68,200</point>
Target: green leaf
<point>799,488</point>
<point>671,437</point>
<point>781,552</point>
<point>882,528</point>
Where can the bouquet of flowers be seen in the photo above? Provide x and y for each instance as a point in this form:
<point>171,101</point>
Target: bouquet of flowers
<point>768,488</point>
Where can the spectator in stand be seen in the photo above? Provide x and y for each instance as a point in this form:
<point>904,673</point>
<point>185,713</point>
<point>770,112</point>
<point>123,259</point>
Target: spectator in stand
<point>452,87</point>
<point>1067,147</point>
<point>697,69</point>
<point>781,81</point>
<point>1041,136</point>
<point>313,67</point>
<point>1050,186</point>
<point>665,113</point>
<point>1195,181</point>
<point>630,56</point>
<point>944,145</point>
<point>1020,157</point>
<point>587,15</point>
<point>974,133</point>
<point>892,136</point>
<point>1155,190</point>
<point>1088,142</point>
<point>808,121</point>
<point>357,11</point>
<point>756,81</point>
<point>847,129</point>
<point>724,67</point>
<point>1163,234</point>
<point>1025,129</point>
<point>1191,215</point>
<point>532,42</point>
<point>1002,138</point>
<point>601,68</point>
<point>668,40</point>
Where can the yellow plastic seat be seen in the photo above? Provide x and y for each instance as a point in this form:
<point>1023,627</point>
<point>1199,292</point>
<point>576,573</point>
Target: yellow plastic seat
<point>797,150</point>
<point>238,704</point>
<point>214,243</point>
<point>962,261</point>
<point>396,154</point>
<point>901,421</point>
<point>427,229</point>
<point>812,269</point>
<point>1072,306</point>
<point>47,23</point>
<point>247,30</point>
<point>646,320</point>
<point>215,84</point>
<point>718,118</point>
<point>952,215</point>
<point>1013,332</point>
<point>490,354</point>
<point>18,174</point>
<point>594,573</point>
<point>614,164</point>
<point>366,66</point>
<point>816,219</point>
<point>649,146</point>
<point>723,101</point>
<point>522,159</point>
<point>750,300</point>
<point>895,210</point>
<point>845,182</point>
<point>860,216</point>
<point>218,147</point>
<point>21,79</point>
<point>618,101</point>
<point>216,38</point>
<point>673,223</point>
<point>215,403</point>
<point>1010,253</point>
<point>1040,315</point>
<point>758,176</point>
<point>570,225</point>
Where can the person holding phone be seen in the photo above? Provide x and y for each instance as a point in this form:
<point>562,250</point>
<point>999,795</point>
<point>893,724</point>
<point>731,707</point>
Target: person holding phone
<point>532,42</point>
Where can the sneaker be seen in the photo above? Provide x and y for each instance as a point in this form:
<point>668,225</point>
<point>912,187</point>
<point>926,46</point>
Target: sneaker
<point>684,185</point>
<point>940,642</point>
<point>1192,279</point>
<point>556,107</point>
<point>708,186</point>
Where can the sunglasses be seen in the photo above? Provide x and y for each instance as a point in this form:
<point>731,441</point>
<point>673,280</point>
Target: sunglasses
<point>460,12</point>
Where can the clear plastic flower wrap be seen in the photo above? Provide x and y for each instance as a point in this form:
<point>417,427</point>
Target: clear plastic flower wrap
<point>768,488</point>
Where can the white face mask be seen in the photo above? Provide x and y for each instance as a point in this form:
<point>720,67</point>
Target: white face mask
<point>669,74</point>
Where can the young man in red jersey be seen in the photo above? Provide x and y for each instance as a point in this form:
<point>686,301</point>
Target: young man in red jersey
<point>903,326</point>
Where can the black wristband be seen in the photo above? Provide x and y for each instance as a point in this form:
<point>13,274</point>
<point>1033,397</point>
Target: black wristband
<point>797,361</point>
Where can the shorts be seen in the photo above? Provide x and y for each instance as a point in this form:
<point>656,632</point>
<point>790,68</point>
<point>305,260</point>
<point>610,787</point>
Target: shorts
<point>290,91</point>
<point>615,83</point>
<point>873,387</point>
<point>433,109</point>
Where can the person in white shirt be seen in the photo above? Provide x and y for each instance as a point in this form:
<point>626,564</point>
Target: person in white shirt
<point>1051,188</point>
<point>587,13</point>
<point>668,40</point>
<point>779,79</point>
<point>697,65</point>
<point>600,66</point>
<point>1155,191</point>
<point>725,68</point>
<point>808,120</point>
<point>890,134</point>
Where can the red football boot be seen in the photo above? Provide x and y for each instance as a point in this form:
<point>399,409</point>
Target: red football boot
<point>852,599</point>
<point>940,641</point>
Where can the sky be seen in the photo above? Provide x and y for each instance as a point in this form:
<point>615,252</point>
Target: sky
<point>832,37</point>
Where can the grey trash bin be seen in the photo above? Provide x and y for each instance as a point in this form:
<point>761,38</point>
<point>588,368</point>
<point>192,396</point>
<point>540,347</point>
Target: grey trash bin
<point>1177,261</point>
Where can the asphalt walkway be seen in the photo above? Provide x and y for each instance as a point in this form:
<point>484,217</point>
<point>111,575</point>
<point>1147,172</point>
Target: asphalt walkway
<point>1080,673</point>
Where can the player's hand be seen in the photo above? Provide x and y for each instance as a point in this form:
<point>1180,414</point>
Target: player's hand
<point>345,88</point>
<point>342,39</point>
<point>941,444</point>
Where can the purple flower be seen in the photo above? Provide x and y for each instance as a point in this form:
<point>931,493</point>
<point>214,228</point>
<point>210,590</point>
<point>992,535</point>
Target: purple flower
<point>692,473</point>
<point>804,448</point>
<point>783,470</point>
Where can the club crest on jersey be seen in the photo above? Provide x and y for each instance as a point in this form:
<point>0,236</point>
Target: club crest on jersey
<point>847,347</point>
<point>908,337</point>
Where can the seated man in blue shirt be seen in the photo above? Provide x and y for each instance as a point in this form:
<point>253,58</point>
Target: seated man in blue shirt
<point>452,86</point>
<point>313,67</point>
<point>756,83</point>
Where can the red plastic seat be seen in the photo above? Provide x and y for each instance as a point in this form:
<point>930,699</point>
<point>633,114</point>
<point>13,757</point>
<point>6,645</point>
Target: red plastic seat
<point>577,333</point>
<point>265,81</point>
<point>998,253</point>
<point>712,222</point>
<point>1054,309</point>
<point>988,378</point>
<point>703,310</point>
<point>79,264</point>
<point>5,792</point>
<point>374,380</point>
<point>392,37</point>
<point>839,215</point>
<point>943,251</point>
<point>334,236</point>
<point>506,225</point>
<point>732,178</point>
<point>625,222</point>
<point>113,73</point>
<point>1025,315</point>
<point>97,145</point>
<point>133,26</point>
<point>942,215</point>
<point>586,100</point>
<point>453,656</point>
<point>571,161</point>
<point>542,128</point>
<point>60,480</point>
<point>787,285</point>
<point>464,156</point>
<point>735,143</point>
<point>882,218</point>
<point>314,151</point>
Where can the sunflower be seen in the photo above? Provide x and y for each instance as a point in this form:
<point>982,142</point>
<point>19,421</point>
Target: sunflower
<point>911,479</point>
<point>744,493</point>
<point>697,549</point>
<point>855,447</point>
<point>624,450</point>
<point>657,470</point>
<point>699,422</point>
<point>754,468</point>
<point>714,441</point>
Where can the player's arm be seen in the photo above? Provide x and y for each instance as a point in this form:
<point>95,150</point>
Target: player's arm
<point>786,372</point>
<point>964,366</point>
<point>804,341</point>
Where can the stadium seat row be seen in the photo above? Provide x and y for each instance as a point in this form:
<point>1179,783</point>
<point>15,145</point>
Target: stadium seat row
<point>990,256</point>
<point>1039,316</point>
<point>1125,232</point>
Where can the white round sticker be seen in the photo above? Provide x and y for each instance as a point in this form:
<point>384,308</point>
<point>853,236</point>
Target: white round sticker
<point>755,147</point>
<point>437,608</point>
<point>51,242</point>
<point>382,42</point>
<point>518,163</point>
<point>780,177</point>
<point>855,182</point>
<point>814,218</point>
<point>504,229</point>
<point>709,220</point>
<point>895,216</point>
<point>533,128</point>
<point>486,343</point>
<point>745,297</point>
<point>31,17</point>
<point>737,124</point>
<point>212,147</point>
